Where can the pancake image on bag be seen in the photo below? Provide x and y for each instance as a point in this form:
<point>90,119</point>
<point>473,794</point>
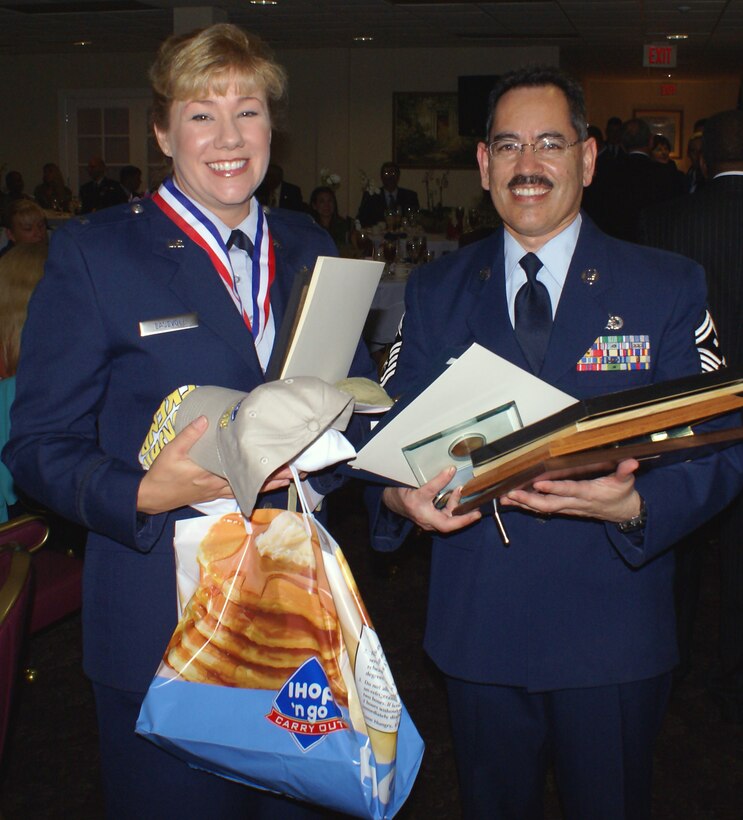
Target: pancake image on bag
<point>262,607</point>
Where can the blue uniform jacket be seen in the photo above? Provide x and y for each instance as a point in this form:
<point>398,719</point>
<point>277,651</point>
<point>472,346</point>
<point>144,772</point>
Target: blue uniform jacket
<point>89,384</point>
<point>570,602</point>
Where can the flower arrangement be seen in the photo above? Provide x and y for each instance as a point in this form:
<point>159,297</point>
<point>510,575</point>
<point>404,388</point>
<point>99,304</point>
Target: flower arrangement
<point>329,179</point>
<point>367,186</point>
<point>434,202</point>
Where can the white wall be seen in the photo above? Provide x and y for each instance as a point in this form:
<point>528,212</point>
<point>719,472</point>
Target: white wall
<point>340,107</point>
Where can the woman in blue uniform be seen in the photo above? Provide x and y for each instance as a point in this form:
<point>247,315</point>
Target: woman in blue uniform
<point>187,287</point>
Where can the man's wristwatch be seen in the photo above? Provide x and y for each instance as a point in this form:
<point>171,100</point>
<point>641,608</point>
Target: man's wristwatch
<point>635,523</point>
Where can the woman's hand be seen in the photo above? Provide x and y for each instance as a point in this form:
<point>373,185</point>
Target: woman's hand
<point>417,505</point>
<point>611,497</point>
<point>174,480</point>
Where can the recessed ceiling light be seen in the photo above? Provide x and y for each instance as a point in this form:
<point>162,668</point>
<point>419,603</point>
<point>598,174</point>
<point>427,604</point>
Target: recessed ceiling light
<point>677,36</point>
<point>83,43</point>
<point>363,38</point>
<point>263,2</point>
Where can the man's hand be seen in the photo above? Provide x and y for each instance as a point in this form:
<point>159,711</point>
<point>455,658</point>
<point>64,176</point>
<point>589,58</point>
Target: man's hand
<point>417,505</point>
<point>175,481</point>
<point>611,497</point>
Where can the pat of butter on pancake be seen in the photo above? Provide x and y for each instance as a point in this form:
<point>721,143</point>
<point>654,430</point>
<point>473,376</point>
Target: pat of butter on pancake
<point>286,540</point>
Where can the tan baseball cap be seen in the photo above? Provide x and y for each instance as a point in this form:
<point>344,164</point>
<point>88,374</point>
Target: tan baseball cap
<point>251,435</point>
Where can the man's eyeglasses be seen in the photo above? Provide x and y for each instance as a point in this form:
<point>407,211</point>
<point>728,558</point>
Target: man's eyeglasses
<point>546,148</point>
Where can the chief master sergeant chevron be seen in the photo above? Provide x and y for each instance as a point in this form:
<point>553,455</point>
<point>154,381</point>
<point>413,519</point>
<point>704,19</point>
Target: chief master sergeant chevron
<point>558,647</point>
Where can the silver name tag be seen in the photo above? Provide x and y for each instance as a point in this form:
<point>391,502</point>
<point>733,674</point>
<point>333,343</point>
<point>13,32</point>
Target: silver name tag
<point>168,324</point>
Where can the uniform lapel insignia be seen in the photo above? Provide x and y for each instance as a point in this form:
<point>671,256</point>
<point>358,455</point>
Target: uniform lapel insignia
<point>590,276</point>
<point>615,323</point>
<point>176,244</point>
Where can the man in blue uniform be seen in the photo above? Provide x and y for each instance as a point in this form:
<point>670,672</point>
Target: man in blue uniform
<point>559,647</point>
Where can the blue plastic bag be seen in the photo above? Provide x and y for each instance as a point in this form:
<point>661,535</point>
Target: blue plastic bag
<point>275,676</point>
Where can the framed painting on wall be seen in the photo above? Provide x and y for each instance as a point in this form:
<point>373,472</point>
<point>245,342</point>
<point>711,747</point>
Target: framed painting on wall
<point>425,132</point>
<point>667,123</point>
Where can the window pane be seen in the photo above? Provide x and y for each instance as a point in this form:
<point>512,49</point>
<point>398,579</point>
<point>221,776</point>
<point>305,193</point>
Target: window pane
<point>116,150</point>
<point>116,120</point>
<point>88,147</point>
<point>89,121</point>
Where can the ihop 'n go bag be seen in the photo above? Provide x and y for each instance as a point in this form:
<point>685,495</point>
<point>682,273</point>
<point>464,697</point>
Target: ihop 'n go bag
<point>274,675</point>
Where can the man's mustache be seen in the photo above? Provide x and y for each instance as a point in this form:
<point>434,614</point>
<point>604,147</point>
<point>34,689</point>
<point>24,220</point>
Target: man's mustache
<point>522,181</point>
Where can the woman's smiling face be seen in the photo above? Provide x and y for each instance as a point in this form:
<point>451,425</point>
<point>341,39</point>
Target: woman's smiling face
<point>220,146</point>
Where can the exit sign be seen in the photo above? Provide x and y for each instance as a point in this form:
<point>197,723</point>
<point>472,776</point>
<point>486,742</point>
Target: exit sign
<point>659,56</point>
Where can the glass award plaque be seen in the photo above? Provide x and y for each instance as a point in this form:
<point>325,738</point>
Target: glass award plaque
<point>453,446</point>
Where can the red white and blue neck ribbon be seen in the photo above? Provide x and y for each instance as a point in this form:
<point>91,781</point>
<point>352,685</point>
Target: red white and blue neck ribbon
<point>199,228</point>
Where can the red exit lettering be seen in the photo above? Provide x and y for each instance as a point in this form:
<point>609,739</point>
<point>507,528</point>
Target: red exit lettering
<point>660,55</point>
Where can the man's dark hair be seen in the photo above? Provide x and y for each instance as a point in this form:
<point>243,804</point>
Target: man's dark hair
<point>538,77</point>
<point>635,135</point>
<point>659,139</point>
<point>722,141</point>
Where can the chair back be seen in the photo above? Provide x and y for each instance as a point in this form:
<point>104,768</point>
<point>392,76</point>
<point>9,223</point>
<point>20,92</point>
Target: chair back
<point>28,531</point>
<point>57,578</point>
<point>15,574</point>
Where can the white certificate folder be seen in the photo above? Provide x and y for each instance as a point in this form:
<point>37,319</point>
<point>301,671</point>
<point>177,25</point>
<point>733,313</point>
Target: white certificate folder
<point>474,384</point>
<point>324,319</point>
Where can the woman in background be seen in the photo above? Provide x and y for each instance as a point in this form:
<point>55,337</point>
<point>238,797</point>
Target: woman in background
<point>324,207</point>
<point>21,270</point>
<point>25,224</point>
<point>52,193</point>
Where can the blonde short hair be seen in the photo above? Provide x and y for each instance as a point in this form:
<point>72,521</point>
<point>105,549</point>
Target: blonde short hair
<point>211,59</point>
<point>21,269</point>
<point>20,208</point>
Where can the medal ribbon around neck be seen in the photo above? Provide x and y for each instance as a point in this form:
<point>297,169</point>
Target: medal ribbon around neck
<point>200,229</point>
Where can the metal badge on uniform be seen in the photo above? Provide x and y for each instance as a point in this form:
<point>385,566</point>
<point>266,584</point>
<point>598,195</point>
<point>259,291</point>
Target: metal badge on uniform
<point>590,276</point>
<point>617,353</point>
<point>168,324</point>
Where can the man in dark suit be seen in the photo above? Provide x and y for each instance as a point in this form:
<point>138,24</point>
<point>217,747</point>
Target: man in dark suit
<point>100,192</point>
<point>640,182</point>
<point>559,646</point>
<point>274,192</point>
<point>706,226</point>
<point>373,206</point>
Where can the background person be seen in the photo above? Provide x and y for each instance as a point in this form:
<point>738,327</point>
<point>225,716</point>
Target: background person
<point>558,647</point>
<point>373,206</point>
<point>99,192</point>
<point>707,228</point>
<point>20,271</point>
<point>87,348</point>
<point>52,193</point>
<point>275,192</point>
<point>25,224</point>
<point>324,209</point>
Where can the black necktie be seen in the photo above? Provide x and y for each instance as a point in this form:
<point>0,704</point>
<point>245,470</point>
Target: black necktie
<point>533,314</point>
<point>240,240</point>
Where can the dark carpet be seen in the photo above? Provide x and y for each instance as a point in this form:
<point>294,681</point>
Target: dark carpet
<point>50,765</point>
